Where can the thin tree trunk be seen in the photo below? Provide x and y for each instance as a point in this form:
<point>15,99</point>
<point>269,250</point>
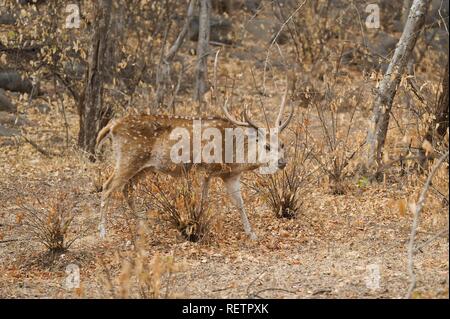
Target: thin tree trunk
<point>442,107</point>
<point>405,11</point>
<point>94,115</point>
<point>163,71</point>
<point>223,6</point>
<point>439,126</point>
<point>202,50</point>
<point>388,87</point>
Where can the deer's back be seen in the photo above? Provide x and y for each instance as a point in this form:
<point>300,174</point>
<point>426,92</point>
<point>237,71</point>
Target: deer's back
<point>142,141</point>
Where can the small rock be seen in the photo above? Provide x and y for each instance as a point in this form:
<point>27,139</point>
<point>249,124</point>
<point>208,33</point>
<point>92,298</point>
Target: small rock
<point>8,142</point>
<point>43,108</point>
<point>56,140</point>
<point>4,131</point>
<point>11,119</point>
<point>5,104</point>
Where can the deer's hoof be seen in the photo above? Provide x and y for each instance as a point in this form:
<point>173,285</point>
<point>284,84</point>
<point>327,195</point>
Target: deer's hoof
<point>102,231</point>
<point>253,236</point>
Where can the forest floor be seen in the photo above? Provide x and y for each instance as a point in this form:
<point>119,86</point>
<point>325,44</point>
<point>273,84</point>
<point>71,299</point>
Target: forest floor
<point>333,249</point>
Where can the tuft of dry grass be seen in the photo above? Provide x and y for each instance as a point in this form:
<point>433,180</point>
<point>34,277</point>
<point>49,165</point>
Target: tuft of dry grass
<point>50,223</point>
<point>181,204</point>
<point>338,145</point>
<point>282,191</point>
<point>140,275</point>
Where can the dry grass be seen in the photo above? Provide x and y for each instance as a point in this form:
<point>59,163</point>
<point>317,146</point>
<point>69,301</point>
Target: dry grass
<point>140,275</point>
<point>179,202</point>
<point>47,217</point>
<point>284,190</point>
<point>50,223</point>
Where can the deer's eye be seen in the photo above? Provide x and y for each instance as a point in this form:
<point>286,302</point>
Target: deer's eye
<point>282,145</point>
<point>267,147</point>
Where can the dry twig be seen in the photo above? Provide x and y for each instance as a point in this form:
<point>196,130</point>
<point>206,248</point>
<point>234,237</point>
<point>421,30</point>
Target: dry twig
<point>417,208</point>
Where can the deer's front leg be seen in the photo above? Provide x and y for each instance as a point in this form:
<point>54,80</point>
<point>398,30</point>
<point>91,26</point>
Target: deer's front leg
<point>233,186</point>
<point>103,212</point>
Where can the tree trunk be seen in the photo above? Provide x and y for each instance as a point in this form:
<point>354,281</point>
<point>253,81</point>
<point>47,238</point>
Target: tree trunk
<point>438,127</point>
<point>94,115</point>
<point>388,87</point>
<point>201,74</point>
<point>405,11</point>
<point>442,107</point>
<point>163,72</point>
<point>223,6</point>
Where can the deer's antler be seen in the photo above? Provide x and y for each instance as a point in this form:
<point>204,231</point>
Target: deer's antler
<point>247,122</point>
<point>281,126</point>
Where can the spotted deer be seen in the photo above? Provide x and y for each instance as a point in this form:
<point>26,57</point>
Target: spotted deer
<point>142,143</point>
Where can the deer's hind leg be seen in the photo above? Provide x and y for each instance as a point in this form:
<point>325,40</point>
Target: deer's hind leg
<point>120,177</point>
<point>129,188</point>
<point>106,192</point>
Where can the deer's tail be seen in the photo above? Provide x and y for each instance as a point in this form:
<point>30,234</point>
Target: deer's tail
<point>103,133</point>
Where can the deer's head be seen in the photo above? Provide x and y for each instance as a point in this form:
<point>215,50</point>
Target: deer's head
<point>273,146</point>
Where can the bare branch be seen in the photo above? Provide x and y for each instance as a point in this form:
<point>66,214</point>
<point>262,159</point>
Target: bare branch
<point>417,210</point>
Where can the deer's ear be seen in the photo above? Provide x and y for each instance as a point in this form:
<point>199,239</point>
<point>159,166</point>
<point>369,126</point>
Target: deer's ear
<point>158,127</point>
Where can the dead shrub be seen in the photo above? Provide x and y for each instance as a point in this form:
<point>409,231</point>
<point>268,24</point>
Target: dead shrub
<point>139,275</point>
<point>50,223</point>
<point>282,191</point>
<point>336,141</point>
<point>179,202</point>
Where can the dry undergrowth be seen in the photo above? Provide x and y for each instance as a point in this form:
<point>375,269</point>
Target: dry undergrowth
<point>50,224</point>
<point>180,202</point>
<point>47,217</point>
<point>139,275</point>
<point>283,191</point>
